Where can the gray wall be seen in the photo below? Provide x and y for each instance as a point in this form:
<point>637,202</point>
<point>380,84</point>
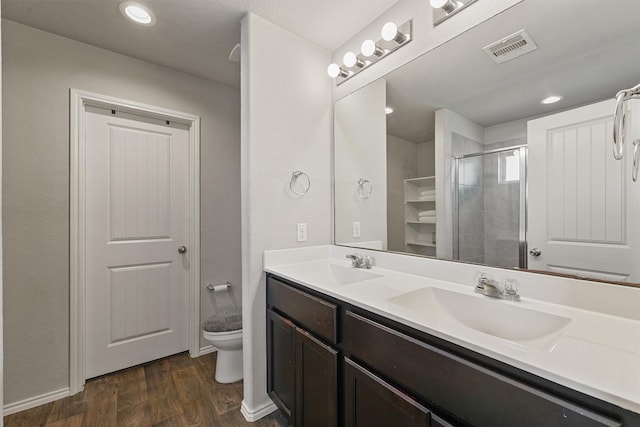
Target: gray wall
<point>38,70</point>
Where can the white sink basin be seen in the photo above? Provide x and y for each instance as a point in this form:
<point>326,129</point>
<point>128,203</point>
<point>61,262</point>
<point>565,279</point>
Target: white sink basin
<point>347,275</point>
<point>527,327</point>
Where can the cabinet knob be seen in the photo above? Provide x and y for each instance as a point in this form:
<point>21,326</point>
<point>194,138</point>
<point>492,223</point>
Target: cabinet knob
<point>182,249</point>
<point>535,252</point>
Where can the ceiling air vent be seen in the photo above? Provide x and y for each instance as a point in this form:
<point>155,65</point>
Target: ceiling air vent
<point>510,47</point>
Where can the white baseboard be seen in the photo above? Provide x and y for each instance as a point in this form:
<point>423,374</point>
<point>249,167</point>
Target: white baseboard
<point>207,349</point>
<point>255,414</point>
<point>32,402</point>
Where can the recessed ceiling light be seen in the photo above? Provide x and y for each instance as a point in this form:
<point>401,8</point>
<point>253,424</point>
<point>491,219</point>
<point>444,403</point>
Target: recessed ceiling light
<point>552,99</point>
<point>137,13</point>
<point>388,110</point>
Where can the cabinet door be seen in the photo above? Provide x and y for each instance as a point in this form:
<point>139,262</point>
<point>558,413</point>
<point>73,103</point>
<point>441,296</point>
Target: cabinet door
<point>281,354</point>
<point>316,382</point>
<point>371,402</point>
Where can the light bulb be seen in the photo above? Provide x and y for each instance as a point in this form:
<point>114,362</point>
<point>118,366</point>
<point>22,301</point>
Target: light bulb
<point>388,110</point>
<point>350,59</point>
<point>389,31</point>
<point>333,70</point>
<point>368,48</point>
<point>446,5</point>
<point>437,4</point>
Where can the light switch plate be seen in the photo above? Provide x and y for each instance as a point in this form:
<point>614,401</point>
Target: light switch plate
<point>301,232</point>
<point>356,229</point>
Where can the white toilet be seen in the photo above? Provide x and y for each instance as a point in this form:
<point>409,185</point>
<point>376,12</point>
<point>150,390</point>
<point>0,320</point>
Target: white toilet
<point>224,331</point>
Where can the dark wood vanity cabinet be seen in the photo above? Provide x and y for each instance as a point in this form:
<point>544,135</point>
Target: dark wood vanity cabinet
<point>330,363</point>
<point>302,370</point>
<point>471,393</point>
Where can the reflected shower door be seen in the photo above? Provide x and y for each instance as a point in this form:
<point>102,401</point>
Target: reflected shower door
<point>490,208</point>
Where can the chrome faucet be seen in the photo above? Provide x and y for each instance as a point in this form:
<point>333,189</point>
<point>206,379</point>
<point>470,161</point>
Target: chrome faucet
<point>491,288</point>
<point>359,261</point>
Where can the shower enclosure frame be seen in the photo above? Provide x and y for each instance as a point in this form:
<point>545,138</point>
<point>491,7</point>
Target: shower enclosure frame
<point>522,229</point>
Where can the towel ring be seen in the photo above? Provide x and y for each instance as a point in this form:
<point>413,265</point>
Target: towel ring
<point>365,188</point>
<point>295,175</point>
<point>636,160</point>
<point>619,119</point>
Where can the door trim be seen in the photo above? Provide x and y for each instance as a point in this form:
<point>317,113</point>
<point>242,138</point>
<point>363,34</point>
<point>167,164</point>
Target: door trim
<point>78,101</point>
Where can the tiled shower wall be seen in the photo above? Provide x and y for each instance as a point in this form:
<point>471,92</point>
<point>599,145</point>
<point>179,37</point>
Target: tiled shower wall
<point>501,212</point>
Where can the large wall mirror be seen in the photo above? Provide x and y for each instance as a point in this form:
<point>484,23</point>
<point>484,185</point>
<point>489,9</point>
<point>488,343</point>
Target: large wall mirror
<point>471,165</point>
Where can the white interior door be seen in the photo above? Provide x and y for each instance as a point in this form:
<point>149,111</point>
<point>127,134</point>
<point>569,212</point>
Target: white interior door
<point>137,217</point>
<point>582,202</point>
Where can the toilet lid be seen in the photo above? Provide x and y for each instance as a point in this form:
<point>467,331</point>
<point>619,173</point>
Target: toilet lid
<point>223,322</point>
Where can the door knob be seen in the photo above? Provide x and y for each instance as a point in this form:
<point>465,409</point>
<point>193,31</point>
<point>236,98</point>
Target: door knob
<point>182,249</point>
<point>535,252</point>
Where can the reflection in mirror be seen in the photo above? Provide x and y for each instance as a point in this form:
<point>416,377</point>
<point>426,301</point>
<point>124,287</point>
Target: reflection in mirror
<point>473,166</point>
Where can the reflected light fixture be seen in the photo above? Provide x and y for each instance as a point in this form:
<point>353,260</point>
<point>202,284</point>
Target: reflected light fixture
<point>551,99</point>
<point>445,9</point>
<point>388,110</point>
<point>446,5</point>
<point>137,13</point>
<point>369,48</point>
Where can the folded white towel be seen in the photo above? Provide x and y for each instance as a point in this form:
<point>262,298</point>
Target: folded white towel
<point>427,213</point>
<point>427,192</point>
<point>427,219</point>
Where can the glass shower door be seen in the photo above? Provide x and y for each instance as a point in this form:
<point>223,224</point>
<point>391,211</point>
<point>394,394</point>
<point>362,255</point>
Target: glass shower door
<point>490,208</point>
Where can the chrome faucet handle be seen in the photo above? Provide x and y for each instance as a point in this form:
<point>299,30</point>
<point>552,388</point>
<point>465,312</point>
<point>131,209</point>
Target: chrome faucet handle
<point>511,292</point>
<point>356,260</point>
<point>367,262</point>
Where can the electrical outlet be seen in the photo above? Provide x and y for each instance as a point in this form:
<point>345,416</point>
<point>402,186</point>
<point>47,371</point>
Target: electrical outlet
<point>356,229</point>
<point>301,232</point>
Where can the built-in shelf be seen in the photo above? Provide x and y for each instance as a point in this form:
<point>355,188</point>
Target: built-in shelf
<point>426,199</point>
<point>428,221</point>
<point>419,236</point>
<point>425,244</point>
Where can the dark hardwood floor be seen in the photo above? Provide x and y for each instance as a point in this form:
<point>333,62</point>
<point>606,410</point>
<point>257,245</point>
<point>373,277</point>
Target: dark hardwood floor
<point>175,391</point>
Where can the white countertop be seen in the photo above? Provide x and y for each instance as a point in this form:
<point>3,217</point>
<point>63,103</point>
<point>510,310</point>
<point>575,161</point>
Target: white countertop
<point>597,353</point>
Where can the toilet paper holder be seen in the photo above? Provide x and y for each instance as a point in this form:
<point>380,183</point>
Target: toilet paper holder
<point>219,287</point>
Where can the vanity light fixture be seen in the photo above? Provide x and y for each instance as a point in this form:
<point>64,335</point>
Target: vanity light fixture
<point>351,60</point>
<point>551,99</point>
<point>137,13</point>
<point>334,70</point>
<point>390,32</point>
<point>393,38</point>
<point>370,48</point>
<point>443,9</point>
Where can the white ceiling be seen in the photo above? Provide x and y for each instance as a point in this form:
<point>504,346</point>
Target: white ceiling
<point>194,36</point>
<point>585,53</point>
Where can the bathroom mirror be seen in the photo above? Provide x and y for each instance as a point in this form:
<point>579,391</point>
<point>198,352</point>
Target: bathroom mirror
<point>472,166</point>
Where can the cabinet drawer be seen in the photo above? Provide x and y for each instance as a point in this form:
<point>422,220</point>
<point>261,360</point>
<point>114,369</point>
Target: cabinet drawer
<point>475,395</point>
<point>312,313</point>
<point>371,402</point>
